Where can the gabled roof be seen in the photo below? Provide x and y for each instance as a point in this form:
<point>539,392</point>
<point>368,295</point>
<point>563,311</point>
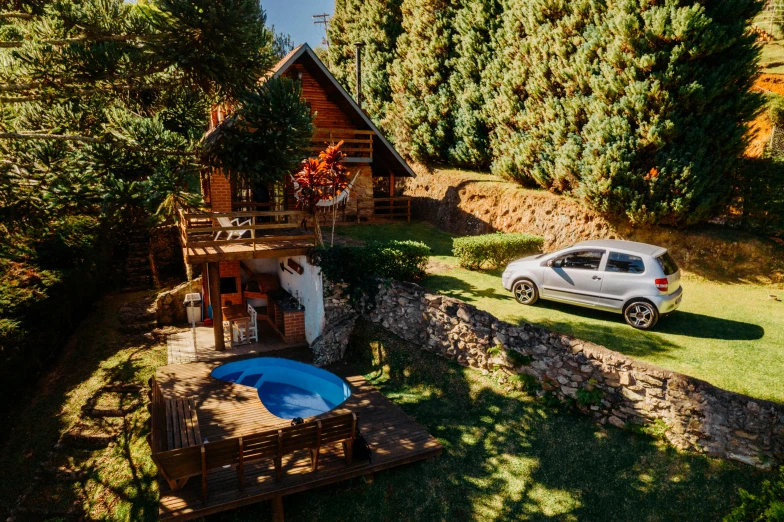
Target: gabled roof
<point>303,53</point>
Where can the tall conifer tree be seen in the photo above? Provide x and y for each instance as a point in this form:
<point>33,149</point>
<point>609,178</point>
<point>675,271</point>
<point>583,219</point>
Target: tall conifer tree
<point>420,116</point>
<point>475,24</point>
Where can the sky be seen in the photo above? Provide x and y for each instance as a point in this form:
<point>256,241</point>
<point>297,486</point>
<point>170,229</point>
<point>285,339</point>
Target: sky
<point>295,17</point>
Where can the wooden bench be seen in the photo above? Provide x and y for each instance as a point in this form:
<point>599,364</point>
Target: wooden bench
<point>170,424</point>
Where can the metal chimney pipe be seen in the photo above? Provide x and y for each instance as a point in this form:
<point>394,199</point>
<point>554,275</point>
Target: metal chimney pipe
<point>358,54</point>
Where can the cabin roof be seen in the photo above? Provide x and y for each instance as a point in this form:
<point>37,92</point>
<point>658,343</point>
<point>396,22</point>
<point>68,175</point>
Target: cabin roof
<point>304,55</point>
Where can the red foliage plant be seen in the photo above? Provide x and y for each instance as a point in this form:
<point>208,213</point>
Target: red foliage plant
<point>322,178</point>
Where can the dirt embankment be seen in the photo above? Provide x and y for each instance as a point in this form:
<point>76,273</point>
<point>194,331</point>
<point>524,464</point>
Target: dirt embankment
<point>469,203</point>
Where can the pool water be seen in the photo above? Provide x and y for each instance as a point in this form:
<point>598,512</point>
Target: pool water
<point>288,389</point>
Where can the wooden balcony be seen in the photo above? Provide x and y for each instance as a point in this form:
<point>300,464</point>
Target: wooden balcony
<point>255,234</point>
<point>357,144</point>
<point>252,235</point>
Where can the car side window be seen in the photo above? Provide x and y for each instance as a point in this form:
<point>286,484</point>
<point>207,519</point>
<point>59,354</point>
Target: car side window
<point>582,260</point>
<point>625,264</point>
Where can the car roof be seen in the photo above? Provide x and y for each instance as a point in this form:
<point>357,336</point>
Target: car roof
<point>627,246</point>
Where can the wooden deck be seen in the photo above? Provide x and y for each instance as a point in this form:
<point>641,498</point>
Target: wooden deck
<point>228,410</point>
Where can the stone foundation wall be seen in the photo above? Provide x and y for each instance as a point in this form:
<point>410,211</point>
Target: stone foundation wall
<point>607,385</point>
<point>169,305</point>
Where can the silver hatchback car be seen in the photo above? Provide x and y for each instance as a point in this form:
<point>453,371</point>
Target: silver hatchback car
<point>640,281</point>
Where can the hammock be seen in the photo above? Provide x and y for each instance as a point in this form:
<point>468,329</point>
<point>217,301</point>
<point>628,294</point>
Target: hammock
<point>342,197</point>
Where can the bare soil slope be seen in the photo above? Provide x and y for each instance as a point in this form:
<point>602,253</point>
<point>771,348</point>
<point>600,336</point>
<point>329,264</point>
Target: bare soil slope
<point>463,202</point>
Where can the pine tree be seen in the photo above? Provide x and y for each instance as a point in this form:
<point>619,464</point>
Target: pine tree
<point>475,24</point>
<point>103,101</point>
<point>342,34</point>
<point>381,28</point>
<point>665,125</point>
<point>376,24</point>
<point>419,118</point>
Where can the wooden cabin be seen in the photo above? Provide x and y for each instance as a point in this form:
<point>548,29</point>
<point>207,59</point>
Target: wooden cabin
<point>253,231</point>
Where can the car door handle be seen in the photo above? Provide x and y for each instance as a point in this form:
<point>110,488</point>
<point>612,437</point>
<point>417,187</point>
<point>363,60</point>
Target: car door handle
<point>596,278</point>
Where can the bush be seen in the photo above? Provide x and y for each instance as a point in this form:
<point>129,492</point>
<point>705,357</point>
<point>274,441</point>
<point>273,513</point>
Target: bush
<point>776,111</point>
<point>495,249</point>
<point>360,267</point>
<point>768,506</point>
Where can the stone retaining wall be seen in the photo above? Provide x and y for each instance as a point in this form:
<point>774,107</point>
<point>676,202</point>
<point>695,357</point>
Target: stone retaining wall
<point>607,385</point>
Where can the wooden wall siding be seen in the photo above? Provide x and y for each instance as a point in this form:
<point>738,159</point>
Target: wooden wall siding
<point>328,114</point>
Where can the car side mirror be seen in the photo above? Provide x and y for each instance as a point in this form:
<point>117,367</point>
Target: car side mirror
<point>550,263</point>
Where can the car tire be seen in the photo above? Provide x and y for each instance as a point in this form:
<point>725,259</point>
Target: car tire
<point>641,314</point>
<point>525,291</point>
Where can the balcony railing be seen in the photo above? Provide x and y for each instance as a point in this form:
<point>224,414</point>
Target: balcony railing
<point>356,143</point>
<point>215,229</point>
<point>394,208</point>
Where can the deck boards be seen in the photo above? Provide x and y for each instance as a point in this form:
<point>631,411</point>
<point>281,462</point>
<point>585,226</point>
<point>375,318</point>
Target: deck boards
<point>228,410</point>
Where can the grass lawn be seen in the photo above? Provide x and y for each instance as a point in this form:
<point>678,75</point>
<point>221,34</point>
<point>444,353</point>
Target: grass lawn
<point>772,57</point>
<point>506,456</point>
<point>509,457</point>
<point>108,483</point>
<point>731,335</point>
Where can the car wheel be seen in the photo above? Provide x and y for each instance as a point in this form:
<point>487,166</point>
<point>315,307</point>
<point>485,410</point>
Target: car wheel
<point>641,315</point>
<point>525,292</point>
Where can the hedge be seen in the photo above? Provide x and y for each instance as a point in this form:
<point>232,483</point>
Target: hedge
<point>496,250</point>
<point>361,266</point>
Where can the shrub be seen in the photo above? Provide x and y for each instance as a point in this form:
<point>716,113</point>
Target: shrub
<point>360,267</point>
<point>776,111</point>
<point>767,506</point>
<point>494,249</point>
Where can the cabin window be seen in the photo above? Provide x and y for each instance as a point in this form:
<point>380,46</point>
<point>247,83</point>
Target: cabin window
<point>381,186</point>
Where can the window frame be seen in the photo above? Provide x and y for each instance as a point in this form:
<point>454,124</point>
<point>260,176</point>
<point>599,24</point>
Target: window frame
<point>599,265</point>
<point>607,264</point>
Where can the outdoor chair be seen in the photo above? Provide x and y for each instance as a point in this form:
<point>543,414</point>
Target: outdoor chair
<point>236,222</point>
<point>253,325</point>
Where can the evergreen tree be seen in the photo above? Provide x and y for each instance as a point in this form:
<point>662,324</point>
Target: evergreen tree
<point>342,34</point>
<point>103,101</point>
<point>475,24</point>
<point>381,27</point>
<point>420,115</point>
<point>377,24</point>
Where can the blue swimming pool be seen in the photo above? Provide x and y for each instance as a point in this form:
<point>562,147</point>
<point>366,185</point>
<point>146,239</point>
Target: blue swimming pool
<point>288,389</point>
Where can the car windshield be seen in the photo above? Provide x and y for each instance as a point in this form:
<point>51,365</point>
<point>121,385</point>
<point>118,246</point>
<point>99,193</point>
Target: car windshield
<point>667,263</point>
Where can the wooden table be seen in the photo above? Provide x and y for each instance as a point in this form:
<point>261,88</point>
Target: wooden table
<point>235,314</point>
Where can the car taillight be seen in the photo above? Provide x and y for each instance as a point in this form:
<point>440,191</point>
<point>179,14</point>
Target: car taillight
<point>662,284</point>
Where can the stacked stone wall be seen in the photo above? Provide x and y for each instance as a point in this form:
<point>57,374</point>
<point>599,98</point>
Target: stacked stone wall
<point>607,385</point>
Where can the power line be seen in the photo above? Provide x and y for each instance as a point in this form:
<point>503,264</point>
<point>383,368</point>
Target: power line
<point>323,19</point>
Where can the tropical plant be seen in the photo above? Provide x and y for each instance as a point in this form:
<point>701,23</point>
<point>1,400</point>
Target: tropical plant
<point>321,180</point>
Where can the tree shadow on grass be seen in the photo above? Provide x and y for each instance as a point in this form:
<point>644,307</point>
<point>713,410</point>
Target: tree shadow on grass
<point>452,286</point>
<point>119,481</point>
<point>508,456</point>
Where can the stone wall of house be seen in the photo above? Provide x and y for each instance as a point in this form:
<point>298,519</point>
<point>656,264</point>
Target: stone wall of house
<point>607,385</point>
<point>169,304</point>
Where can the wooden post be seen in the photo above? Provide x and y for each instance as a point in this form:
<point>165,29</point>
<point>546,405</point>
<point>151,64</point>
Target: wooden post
<point>277,509</point>
<point>213,270</point>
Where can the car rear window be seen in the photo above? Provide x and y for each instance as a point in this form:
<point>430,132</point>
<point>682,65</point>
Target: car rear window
<point>625,263</point>
<point>667,263</point>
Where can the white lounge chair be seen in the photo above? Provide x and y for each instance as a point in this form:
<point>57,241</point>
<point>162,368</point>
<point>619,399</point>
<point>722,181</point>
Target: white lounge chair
<point>236,222</point>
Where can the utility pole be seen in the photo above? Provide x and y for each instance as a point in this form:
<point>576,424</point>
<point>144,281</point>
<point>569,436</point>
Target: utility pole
<point>323,19</point>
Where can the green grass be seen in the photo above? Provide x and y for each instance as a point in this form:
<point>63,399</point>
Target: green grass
<point>731,335</point>
<point>508,457</point>
<point>772,57</point>
<point>120,479</point>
